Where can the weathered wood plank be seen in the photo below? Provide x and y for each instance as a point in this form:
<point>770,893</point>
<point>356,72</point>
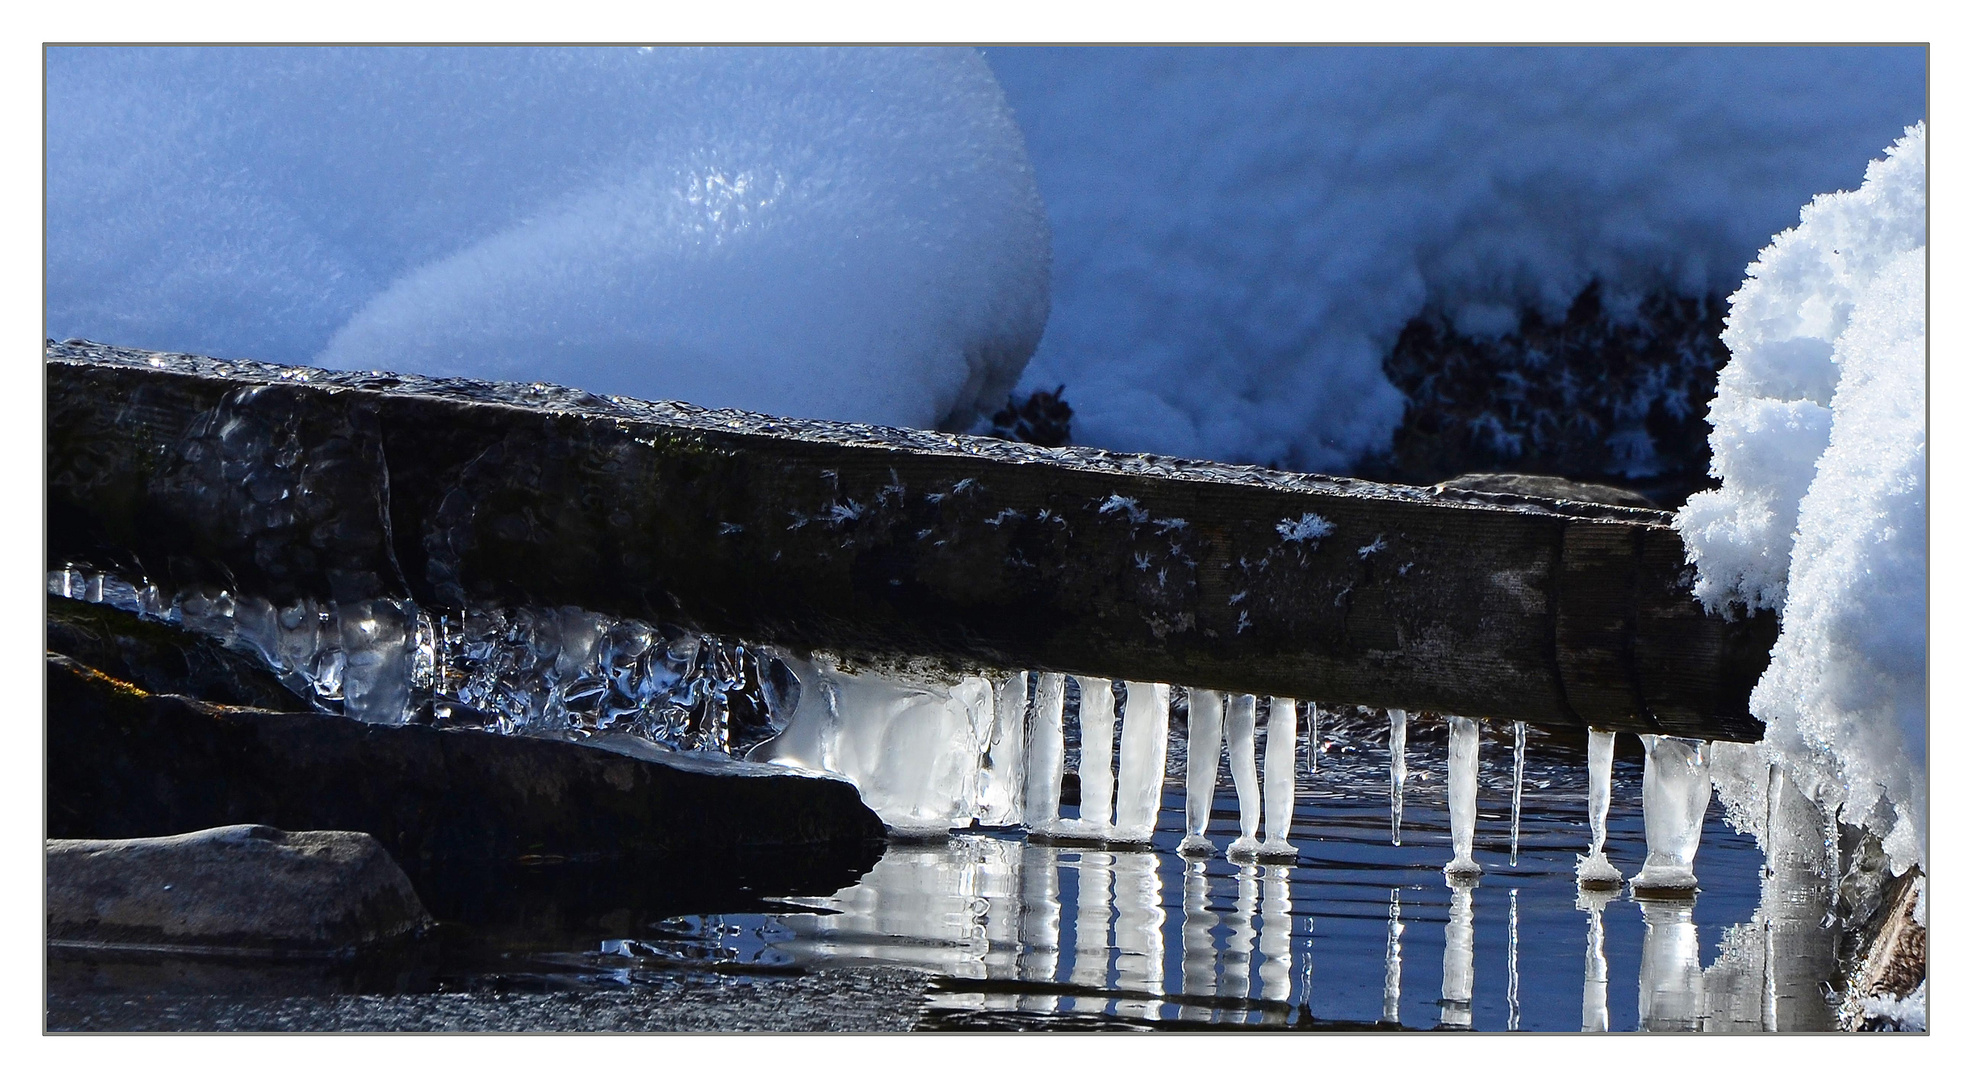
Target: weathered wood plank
<point>291,482</point>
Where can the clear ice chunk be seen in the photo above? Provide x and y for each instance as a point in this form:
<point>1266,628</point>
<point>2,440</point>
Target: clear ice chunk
<point>1145,744</point>
<point>1454,1000</point>
<point>1593,870</point>
<point>1399,771</point>
<point>1098,736</point>
<point>1046,749</point>
<point>1203,743</point>
<point>1240,719</point>
<point>1279,784</point>
<point>1676,792</point>
<point>1462,783</point>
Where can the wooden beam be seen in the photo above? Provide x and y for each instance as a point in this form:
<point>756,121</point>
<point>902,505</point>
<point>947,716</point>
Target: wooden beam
<point>882,542</point>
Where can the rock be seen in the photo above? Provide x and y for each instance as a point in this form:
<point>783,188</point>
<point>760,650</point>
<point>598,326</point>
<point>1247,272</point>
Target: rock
<point>123,762</point>
<point>163,659</point>
<point>237,887</point>
<point>1547,487</point>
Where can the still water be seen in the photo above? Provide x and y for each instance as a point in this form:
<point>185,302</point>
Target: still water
<point>1357,931</point>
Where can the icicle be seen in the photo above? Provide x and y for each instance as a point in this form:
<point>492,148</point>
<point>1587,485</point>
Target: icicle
<point>1676,792</point>
<point>1462,781</point>
<point>1275,934</point>
<point>1044,752</point>
<point>1512,962</point>
<point>1278,789</point>
<point>1098,735</point>
<point>1206,736</point>
<point>1455,999</point>
<point>1594,977</point>
<point>1003,761</point>
<point>1518,782</point>
<point>1200,951</point>
<point>1313,739</point>
<point>1145,741</point>
<point>1239,723</point>
<point>1399,770</point>
<point>1593,870</point>
<point>1392,962</point>
<point>1671,983</point>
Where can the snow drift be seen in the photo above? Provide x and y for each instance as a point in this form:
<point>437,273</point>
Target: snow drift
<point>837,233</point>
<point>1819,440</point>
<point>1241,234</point>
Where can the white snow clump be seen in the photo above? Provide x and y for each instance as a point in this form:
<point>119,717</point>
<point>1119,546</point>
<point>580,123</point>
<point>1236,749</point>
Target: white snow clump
<point>1241,234</point>
<point>1819,439</point>
<point>840,233</point>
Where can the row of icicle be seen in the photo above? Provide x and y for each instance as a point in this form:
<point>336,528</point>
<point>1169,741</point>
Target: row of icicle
<point>1123,806</point>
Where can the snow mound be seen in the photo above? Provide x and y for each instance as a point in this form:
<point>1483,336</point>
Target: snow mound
<point>1820,443</point>
<point>1240,235</point>
<point>848,234</point>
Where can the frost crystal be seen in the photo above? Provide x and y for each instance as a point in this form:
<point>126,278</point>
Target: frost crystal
<point>1310,527</point>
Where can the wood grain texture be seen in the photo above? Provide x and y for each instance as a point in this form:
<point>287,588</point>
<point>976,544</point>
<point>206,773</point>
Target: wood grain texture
<point>293,482</point>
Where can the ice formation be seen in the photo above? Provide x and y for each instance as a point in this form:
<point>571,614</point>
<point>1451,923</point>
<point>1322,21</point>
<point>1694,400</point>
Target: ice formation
<point>1240,719</point>
<point>849,234</point>
<point>1139,931</point>
<point>1279,787</point>
<point>1399,770</point>
<point>1240,234</point>
<point>1200,948</point>
<point>1819,441</point>
<point>1593,870</point>
<point>1512,961</point>
<point>1392,962</point>
<point>1098,740</point>
<point>1046,753</point>
<point>1203,741</point>
<point>1145,740</point>
<point>1518,781</point>
<point>1003,755</point>
<point>1275,934</point>
<point>1461,781</point>
<point>1676,792</point>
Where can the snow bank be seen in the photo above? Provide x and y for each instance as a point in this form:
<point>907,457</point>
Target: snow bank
<point>1240,234</point>
<point>1820,443</point>
<point>838,233</point>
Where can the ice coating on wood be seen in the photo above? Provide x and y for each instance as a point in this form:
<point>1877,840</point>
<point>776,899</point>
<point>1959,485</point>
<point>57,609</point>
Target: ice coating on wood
<point>1399,771</point>
<point>1204,741</point>
<point>840,233</point>
<point>1098,739</point>
<point>1145,742</point>
<point>1676,792</point>
<point>1240,720</point>
<point>1046,752</point>
<point>1454,1004</point>
<point>1278,789</point>
<point>1461,783</point>
<point>1820,445</point>
<point>1593,870</point>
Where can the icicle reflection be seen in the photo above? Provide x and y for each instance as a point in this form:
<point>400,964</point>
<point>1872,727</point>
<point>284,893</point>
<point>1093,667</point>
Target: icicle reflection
<point>1200,972</point>
<point>1392,962</point>
<point>1594,975</point>
<point>1671,983</point>
<point>1454,1001</point>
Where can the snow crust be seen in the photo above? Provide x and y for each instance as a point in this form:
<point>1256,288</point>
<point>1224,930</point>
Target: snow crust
<point>1240,234</point>
<point>848,234</point>
<point>1819,440</point>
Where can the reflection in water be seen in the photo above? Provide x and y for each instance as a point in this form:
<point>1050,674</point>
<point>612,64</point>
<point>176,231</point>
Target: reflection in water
<point>1200,952</point>
<point>1040,923</point>
<point>1091,926</point>
<point>1454,1002</point>
<point>1237,979</point>
<point>1594,977</point>
<point>1672,981</point>
<point>1276,935</point>
<point>1392,962</point>
<point>1512,964</point>
<point>1139,931</point>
